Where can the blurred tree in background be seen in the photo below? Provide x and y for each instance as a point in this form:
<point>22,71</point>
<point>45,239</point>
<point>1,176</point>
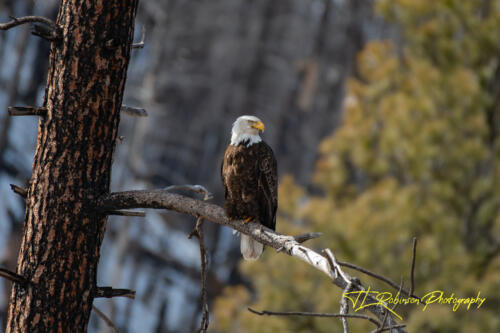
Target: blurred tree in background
<point>417,154</point>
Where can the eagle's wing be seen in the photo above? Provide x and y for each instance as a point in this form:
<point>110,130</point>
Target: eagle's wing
<point>222,174</point>
<point>268,187</point>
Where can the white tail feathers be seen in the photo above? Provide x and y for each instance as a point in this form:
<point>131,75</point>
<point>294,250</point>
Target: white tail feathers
<point>251,249</point>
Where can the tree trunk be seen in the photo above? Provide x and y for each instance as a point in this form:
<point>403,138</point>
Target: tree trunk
<point>72,167</point>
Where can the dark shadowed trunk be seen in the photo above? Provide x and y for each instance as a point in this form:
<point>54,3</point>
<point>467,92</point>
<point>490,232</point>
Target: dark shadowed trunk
<point>72,166</point>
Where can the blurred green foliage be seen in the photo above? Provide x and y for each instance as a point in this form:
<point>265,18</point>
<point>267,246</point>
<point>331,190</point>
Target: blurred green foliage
<point>417,154</point>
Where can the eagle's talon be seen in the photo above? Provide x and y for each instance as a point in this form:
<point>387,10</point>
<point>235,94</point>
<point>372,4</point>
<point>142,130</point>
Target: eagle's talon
<point>248,219</point>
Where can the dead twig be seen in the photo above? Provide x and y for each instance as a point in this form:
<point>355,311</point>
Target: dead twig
<point>377,276</point>
<point>382,326</point>
<point>193,188</point>
<point>14,277</point>
<point>51,31</point>
<point>19,190</point>
<point>328,315</point>
<point>314,314</point>
<point>412,271</point>
<point>388,328</point>
<point>105,319</point>
<point>109,292</point>
<point>126,213</point>
<point>132,111</point>
<point>307,236</point>
<point>198,232</point>
<point>140,45</point>
<point>26,111</point>
<point>335,266</point>
<point>26,19</point>
<point>302,238</point>
<point>344,306</point>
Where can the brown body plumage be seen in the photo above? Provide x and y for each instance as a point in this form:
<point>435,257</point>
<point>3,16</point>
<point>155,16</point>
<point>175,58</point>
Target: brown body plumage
<point>250,180</point>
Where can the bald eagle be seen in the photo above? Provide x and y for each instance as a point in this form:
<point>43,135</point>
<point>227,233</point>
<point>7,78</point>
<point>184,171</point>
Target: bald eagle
<point>250,177</point>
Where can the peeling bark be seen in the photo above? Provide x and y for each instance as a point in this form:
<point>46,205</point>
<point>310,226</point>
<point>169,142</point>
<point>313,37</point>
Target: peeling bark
<point>72,166</point>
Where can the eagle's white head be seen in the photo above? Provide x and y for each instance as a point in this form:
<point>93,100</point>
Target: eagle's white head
<point>246,128</point>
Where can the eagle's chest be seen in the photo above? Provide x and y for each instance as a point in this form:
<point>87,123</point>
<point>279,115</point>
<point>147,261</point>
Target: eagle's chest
<point>242,163</point>
<point>240,170</point>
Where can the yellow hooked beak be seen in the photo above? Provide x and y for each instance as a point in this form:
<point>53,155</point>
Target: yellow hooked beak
<point>259,125</point>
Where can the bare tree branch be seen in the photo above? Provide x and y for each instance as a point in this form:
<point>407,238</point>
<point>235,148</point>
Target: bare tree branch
<point>27,19</point>
<point>383,323</point>
<point>140,45</point>
<point>132,111</point>
<point>106,319</point>
<point>109,292</point>
<point>126,213</point>
<point>307,236</point>
<point>302,238</point>
<point>314,314</point>
<point>344,306</point>
<point>162,199</point>
<point>412,272</point>
<point>198,232</point>
<point>42,111</point>
<point>26,111</point>
<point>14,277</point>
<point>19,190</point>
<point>382,326</point>
<point>388,328</point>
<point>381,278</point>
<point>336,267</point>
<point>193,188</point>
<point>329,315</point>
<point>54,31</point>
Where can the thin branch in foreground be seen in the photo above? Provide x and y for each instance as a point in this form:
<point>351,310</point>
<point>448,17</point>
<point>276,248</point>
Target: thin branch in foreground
<point>132,111</point>
<point>377,276</point>
<point>382,326</point>
<point>302,238</point>
<point>140,45</point>
<point>314,314</point>
<point>336,267</point>
<point>27,19</point>
<point>386,280</point>
<point>307,236</point>
<point>51,31</point>
<point>126,213</point>
<point>412,271</point>
<point>19,190</point>
<point>26,111</point>
<point>388,328</point>
<point>109,292</point>
<point>193,188</point>
<point>106,319</point>
<point>399,293</point>
<point>198,232</point>
<point>14,277</point>
<point>378,330</point>
<point>45,32</point>
<point>344,306</point>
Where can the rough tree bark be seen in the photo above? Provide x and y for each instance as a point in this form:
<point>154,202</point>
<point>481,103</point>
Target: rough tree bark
<point>72,166</point>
